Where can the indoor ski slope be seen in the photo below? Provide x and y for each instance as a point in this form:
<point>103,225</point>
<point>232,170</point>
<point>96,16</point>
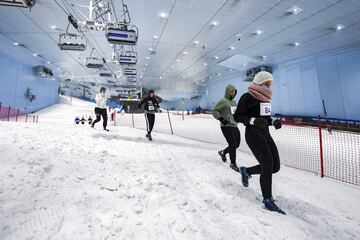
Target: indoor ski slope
<point>59,180</point>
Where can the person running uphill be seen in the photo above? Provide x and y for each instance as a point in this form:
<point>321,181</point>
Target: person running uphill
<point>100,108</point>
<point>254,110</point>
<point>151,106</point>
<point>223,111</point>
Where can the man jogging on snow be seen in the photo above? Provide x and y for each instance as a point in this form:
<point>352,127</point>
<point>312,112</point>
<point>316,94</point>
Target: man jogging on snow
<point>100,109</point>
<point>223,111</point>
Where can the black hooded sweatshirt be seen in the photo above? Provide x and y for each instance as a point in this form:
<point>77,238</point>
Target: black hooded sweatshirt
<point>150,104</point>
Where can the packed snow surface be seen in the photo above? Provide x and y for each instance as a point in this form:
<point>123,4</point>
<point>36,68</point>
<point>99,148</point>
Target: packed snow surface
<point>59,180</point>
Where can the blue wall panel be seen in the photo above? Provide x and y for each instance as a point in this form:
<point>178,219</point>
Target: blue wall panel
<point>16,75</point>
<point>300,86</point>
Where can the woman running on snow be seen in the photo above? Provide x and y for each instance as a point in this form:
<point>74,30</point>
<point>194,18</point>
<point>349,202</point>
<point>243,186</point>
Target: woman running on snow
<point>151,106</point>
<point>254,110</point>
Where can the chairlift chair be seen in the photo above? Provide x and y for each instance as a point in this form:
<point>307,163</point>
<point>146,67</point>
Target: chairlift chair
<point>121,34</point>
<point>71,42</point>
<point>128,58</point>
<point>130,71</point>
<point>105,73</point>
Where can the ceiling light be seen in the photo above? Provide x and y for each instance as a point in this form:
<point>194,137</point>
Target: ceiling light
<point>151,49</point>
<point>214,23</point>
<point>259,32</point>
<point>163,15</point>
<point>219,74</point>
<point>295,44</point>
<point>239,35</point>
<point>35,54</point>
<point>48,62</point>
<point>196,42</point>
<point>147,58</point>
<point>205,64</point>
<point>160,77</point>
<point>53,27</point>
<point>145,64</point>
<point>155,37</point>
<point>339,27</point>
<point>231,48</point>
<point>244,64</point>
<point>177,60</point>
<point>59,68</point>
<point>16,44</point>
<point>229,69</point>
<point>185,53</point>
<point>294,10</point>
<point>216,57</point>
<point>203,80</point>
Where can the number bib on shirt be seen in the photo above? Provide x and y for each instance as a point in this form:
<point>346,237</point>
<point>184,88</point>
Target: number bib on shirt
<point>265,109</point>
<point>233,109</point>
<point>151,108</point>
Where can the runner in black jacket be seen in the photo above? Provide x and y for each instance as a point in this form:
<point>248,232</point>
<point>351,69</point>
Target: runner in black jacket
<point>151,106</point>
<point>254,111</point>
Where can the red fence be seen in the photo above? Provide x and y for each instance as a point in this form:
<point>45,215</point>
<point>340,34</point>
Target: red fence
<point>11,114</point>
<point>320,149</point>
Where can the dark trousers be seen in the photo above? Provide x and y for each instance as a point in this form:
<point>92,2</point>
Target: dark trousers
<point>265,151</point>
<point>232,136</point>
<point>101,112</point>
<point>150,120</point>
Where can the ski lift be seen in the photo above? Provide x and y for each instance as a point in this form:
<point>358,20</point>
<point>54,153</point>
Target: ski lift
<point>93,62</point>
<point>121,34</point>
<point>129,71</point>
<point>105,73</point>
<point>71,41</point>
<point>128,58</point>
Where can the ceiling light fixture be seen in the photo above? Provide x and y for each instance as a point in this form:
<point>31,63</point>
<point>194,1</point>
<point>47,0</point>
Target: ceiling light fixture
<point>161,77</point>
<point>205,64</point>
<point>339,27</point>
<point>294,10</point>
<point>155,37</point>
<point>163,15</point>
<point>214,23</point>
<point>147,58</point>
<point>196,42</point>
<point>295,44</point>
<point>35,54</point>
<point>231,48</point>
<point>177,60</point>
<point>48,62</point>
<point>16,43</point>
<point>259,32</point>
<point>216,57</point>
<point>219,74</point>
<point>53,27</point>
<point>151,49</point>
<point>185,53</point>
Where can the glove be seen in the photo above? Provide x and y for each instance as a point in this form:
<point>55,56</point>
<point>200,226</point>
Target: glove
<point>223,121</point>
<point>277,124</point>
<point>261,123</point>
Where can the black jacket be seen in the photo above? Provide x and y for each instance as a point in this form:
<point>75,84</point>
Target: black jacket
<point>247,108</point>
<point>150,104</point>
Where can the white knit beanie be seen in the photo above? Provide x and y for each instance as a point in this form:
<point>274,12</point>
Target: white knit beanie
<point>262,77</point>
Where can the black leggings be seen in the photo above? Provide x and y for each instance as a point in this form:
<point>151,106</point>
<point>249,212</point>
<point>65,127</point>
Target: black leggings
<point>150,120</point>
<point>232,136</point>
<point>264,149</point>
<point>103,113</point>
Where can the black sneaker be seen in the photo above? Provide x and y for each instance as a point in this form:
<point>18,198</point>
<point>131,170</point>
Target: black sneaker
<point>222,155</point>
<point>148,136</point>
<point>244,176</point>
<point>234,167</point>
<point>106,129</point>
<point>270,205</point>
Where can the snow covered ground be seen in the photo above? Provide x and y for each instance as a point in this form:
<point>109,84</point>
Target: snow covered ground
<point>64,181</point>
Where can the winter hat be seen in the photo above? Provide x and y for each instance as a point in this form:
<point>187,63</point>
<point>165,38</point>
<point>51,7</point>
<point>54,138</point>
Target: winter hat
<point>102,89</point>
<point>262,77</point>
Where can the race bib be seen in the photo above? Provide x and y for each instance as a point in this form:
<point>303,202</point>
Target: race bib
<point>265,109</point>
<point>151,108</point>
<point>233,109</point>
